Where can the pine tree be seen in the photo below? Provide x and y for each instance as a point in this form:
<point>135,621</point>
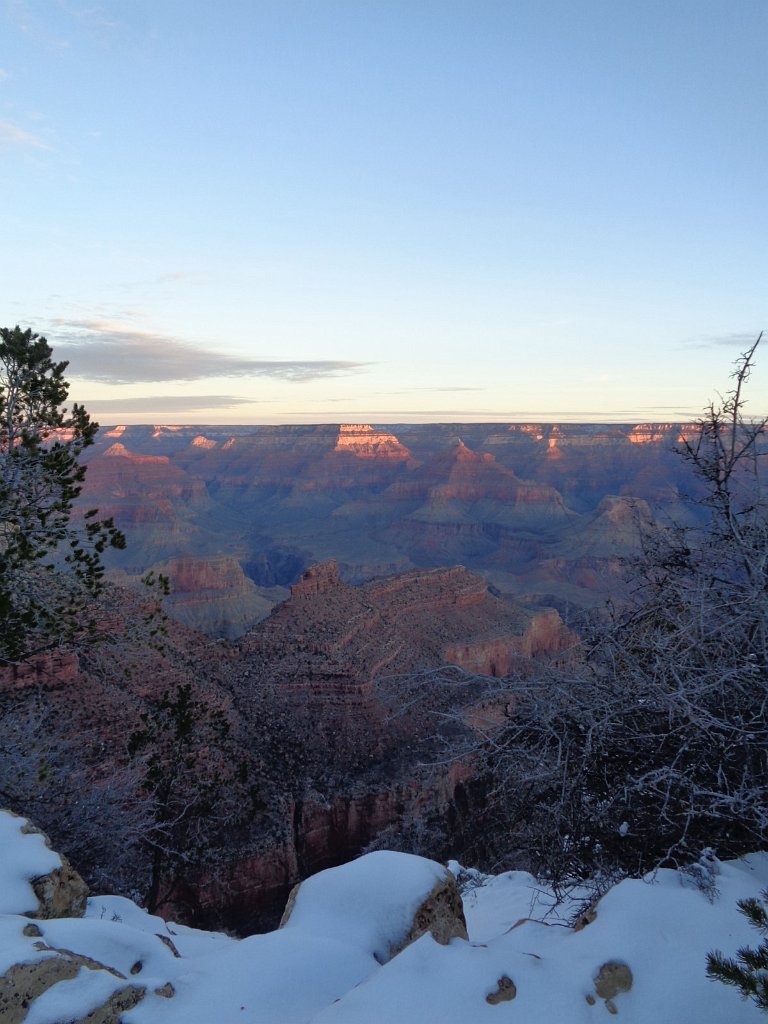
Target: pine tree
<point>748,972</point>
<point>50,567</point>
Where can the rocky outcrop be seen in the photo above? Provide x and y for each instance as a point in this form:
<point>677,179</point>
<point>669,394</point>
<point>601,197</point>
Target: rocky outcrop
<point>331,638</point>
<point>21,984</point>
<point>317,580</point>
<point>365,442</point>
<point>441,913</point>
<point>215,596</point>
<point>60,893</point>
<point>545,633</point>
<point>201,441</point>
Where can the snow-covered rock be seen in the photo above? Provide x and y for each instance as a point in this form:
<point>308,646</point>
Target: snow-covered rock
<point>381,902</point>
<point>36,881</point>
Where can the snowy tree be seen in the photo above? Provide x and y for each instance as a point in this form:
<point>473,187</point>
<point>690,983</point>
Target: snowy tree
<point>202,785</point>
<point>655,743</point>
<point>92,807</point>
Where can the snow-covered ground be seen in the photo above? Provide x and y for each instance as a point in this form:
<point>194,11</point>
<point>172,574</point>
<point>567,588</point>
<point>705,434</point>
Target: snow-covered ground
<point>325,966</point>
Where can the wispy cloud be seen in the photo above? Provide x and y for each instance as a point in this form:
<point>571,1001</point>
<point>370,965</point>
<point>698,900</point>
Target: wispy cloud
<point>412,391</point>
<point>95,19</point>
<point>160,280</point>
<point>4,74</point>
<point>11,134</point>
<point>111,353</point>
<point>179,275</point>
<point>166,404</point>
<point>544,416</point>
<point>737,339</point>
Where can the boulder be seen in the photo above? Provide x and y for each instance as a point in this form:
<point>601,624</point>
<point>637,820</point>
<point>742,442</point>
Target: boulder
<point>60,892</point>
<point>441,914</point>
<point>25,982</point>
<point>34,880</point>
<point>22,984</point>
<point>613,977</point>
<point>381,902</point>
<point>504,992</point>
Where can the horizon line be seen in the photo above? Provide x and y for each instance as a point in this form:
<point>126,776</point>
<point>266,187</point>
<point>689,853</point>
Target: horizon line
<point>671,422</point>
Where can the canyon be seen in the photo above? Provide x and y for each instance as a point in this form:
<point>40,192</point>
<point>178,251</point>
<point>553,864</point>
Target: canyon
<point>234,515</point>
<point>351,602</point>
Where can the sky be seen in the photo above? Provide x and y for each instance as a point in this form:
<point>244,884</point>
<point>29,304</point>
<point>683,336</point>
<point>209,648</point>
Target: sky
<point>306,211</point>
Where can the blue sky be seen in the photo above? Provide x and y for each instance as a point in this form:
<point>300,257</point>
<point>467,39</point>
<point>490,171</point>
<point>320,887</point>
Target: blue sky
<point>383,211</point>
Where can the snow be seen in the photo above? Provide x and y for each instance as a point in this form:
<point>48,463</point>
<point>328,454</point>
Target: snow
<point>22,856</point>
<point>495,903</point>
<point>661,928</point>
<point>73,998</point>
<point>370,903</point>
<point>118,947</point>
<point>15,947</point>
<point>188,941</point>
<point>279,978</point>
<point>325,966</point>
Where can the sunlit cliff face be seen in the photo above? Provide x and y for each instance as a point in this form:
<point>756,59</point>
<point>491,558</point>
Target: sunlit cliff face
<point>362,440</point>
<point>651,433</point>
<point>159,429</point>
<point>533,429</point>
<point>661,433</point>
<point>553,444</point>
<point>688,434</point>
<point>115,432</point>
<point>119,451</point>
<point>59,434</point>
<point>202,442</point>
